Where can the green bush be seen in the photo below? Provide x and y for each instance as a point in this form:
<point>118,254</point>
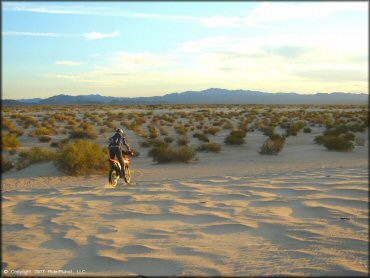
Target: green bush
<point>273,145</point>
<point>9,141</point>
<point>168,139</point>
<point>153,132</point>
<point>88,132</point>
<point>103,130</point>
<point>41,131</point>
<point>335,143</point>
<point>210,147</point>
<point>34,155</point>
<point>336,139</point>
<point>44,138</point>
<point>183,140</point>
<point>166,154</point>
<point>201,137</point>
<point>152,142</point>
<point>54,144</point>
<point>81,157</point>
<point>307,130</point>
<point>6,165</point>
<point>292,129</point>
<point>211,130</point>
<point>157,144</point>
<point>145,144</point>
<point>319,139</point>
<point>181,130</point>
<point>267,131</point>
<point>236,137</point>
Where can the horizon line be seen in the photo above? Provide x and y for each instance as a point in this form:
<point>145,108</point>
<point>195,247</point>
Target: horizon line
<point>100,94</point>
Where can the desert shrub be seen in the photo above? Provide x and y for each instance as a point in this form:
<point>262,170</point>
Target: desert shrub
<point>227,125</point>
<point>44,138</point>
<point>357,128</point>
<point>210,147</point>
<point>166,154</point>
<point>17,132</point>
<point>268,130</point>
<point>6,124</point>
<point>183,140</point>
<point>348,136</point>
<point>307,130</point>
<point>88,132</point>
<point>360,141</point>
<point>153,132</point>
<point>9,141</point>
<point>145,144</point>
<point>163,132</point>
<point>168,139</point>
<point>319,139</point>
<point>201,136</point>
<point>34,155</point>
<point>181,130</point>
<point>336,139</point>
<point>103,130</point>
<point>273,145</point>
<point>338,143</point>
<point>6,165</point>
<point>292,129</point>
<point>236,137</point>
<point>54,144</point>
<point>41,131</point>
<point>211,130</point>
<point>336,131</point>
<point>81,157</point>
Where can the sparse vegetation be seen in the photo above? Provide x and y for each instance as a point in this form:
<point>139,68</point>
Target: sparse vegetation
<point>34,155</point>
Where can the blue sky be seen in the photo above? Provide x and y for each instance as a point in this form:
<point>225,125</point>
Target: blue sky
<point>154,48</point>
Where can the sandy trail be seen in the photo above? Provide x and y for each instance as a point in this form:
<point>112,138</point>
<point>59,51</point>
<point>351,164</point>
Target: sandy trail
<point>311,221</point>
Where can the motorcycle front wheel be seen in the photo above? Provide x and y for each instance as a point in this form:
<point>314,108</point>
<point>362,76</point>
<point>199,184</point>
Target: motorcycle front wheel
<point>127,175</point>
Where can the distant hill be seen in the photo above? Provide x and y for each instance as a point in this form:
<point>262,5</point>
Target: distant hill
<point>209,96</point>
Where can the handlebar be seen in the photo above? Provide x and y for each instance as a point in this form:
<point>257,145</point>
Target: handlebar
<point>132,153</point>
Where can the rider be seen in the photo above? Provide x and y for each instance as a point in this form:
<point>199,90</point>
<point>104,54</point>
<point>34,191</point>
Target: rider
<point>115,148</point>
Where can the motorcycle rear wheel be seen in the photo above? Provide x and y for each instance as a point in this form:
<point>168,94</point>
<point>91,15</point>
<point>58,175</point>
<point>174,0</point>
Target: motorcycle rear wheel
<point>113,177</point>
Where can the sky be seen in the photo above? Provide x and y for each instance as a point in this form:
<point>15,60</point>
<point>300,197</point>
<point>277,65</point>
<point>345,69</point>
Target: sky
<point>130,49</point>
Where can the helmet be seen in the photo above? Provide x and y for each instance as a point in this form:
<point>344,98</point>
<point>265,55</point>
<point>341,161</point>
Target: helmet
<point>120,131</point>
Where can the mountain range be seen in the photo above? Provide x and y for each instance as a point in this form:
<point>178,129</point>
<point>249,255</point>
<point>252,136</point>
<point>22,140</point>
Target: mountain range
<point>209,96</point>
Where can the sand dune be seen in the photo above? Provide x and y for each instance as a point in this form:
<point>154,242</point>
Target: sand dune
<point>306,222</point>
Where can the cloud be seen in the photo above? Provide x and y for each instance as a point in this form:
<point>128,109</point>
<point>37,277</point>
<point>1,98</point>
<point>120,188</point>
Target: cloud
<point>68,63</point>
<point>36,34</point>
<point>266,12</point>
<point>98,36</point>
<point>222,21</point>
<point>88,36</point>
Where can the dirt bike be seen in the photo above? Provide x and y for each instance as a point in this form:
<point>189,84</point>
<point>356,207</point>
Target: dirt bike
<point>115,169</point>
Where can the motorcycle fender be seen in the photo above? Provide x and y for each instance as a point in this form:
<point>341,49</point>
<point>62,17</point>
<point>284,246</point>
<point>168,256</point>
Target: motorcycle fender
<point>117,167</point>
